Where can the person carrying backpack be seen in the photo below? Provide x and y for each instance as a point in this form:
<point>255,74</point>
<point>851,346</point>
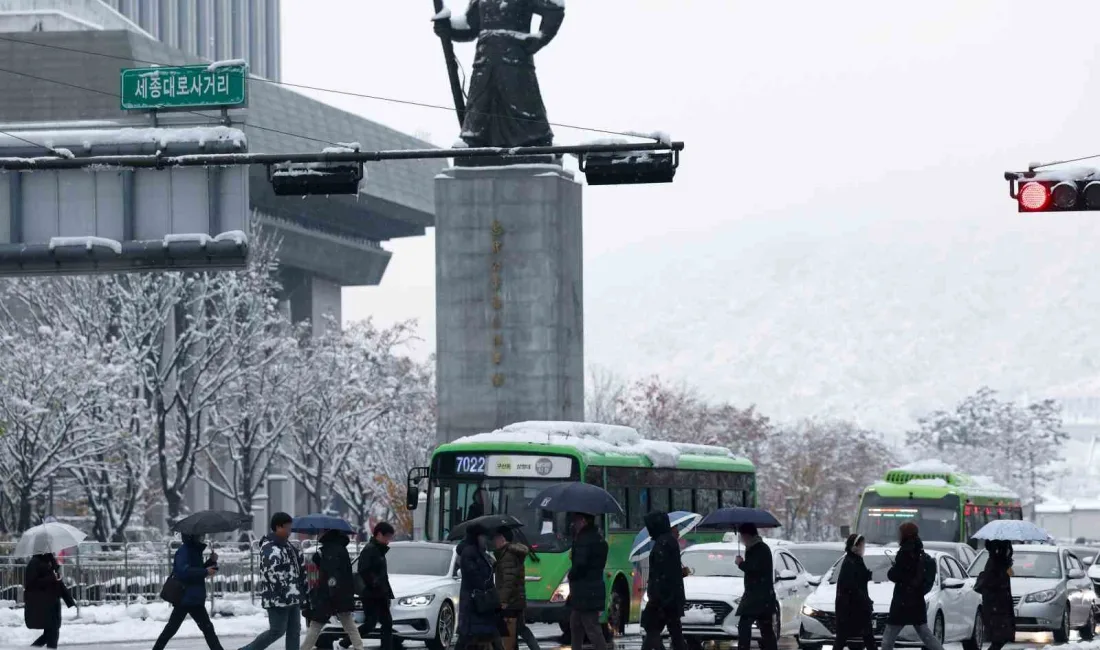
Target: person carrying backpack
<point>913,575</point>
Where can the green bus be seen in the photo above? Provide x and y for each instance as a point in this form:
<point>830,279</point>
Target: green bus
<point>501,472</point>
<point>946,505</point>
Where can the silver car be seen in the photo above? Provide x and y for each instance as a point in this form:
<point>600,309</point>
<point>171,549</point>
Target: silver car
<point>1049,589</point>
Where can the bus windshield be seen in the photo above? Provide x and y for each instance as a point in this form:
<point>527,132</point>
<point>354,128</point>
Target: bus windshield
<point>879,518</point>
<point>452,501</point>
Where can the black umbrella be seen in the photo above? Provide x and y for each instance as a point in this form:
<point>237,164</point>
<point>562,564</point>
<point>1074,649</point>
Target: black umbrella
<point>576,497</point>
<point>212,521</point>
<point>734,517</point>
<point>488,523</point>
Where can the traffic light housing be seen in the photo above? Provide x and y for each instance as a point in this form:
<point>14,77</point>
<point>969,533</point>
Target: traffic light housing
<point>1047,195</point>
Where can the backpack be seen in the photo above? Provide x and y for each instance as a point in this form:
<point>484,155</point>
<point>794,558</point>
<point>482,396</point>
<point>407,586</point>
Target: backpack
<point>929,572</point>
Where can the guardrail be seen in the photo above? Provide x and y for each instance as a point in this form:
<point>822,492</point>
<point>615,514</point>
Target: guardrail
<point>124,573</point>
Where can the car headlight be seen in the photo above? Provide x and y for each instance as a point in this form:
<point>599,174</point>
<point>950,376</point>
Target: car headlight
<point>561,594</point>
<point>808,611</point>
<point>1044,596</point>
<point>423,600</point>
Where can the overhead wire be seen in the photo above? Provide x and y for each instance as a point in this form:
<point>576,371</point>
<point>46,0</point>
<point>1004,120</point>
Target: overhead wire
<point>346,93</point>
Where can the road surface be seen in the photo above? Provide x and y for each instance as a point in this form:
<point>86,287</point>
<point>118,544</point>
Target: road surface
<point>549,638</point>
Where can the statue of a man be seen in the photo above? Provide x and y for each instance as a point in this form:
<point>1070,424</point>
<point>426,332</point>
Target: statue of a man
<point>504,106</point>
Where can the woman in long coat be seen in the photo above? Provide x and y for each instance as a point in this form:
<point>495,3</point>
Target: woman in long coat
<point>43,592</point>
<point>477,576</point>
<point>994,583</point>
<point>854,606</point>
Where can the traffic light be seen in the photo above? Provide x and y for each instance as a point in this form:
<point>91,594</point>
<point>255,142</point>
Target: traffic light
<point>1057,195</point>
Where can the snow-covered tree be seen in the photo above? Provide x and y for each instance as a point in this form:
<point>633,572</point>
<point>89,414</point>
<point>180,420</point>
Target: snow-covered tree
<point>258,404</point>
<point>50,384</point>
<point>351,380</point>
<point>372,482</point>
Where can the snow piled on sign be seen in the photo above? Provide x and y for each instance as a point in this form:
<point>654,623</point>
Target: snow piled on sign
<point>227,63</point>
<point>595,438</point>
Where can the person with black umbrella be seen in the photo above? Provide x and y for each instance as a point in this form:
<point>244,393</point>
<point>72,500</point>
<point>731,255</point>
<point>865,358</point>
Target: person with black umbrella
<point>758,603</point>
<point>189,568</point>
<point>335,591</point>
<point>587,589</point>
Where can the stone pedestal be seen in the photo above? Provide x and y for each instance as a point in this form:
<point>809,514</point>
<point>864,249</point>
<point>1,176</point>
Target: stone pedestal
<point>509,299</point>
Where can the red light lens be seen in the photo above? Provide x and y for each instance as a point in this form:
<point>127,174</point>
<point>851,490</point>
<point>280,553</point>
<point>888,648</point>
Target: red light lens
<point>1034,196</point>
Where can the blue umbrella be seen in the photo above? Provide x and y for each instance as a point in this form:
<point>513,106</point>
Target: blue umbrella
<point>576,497</point>
<point>1012,530</point>
<point>680,520</point>
<point>734,517</point>
<point>313,524</point>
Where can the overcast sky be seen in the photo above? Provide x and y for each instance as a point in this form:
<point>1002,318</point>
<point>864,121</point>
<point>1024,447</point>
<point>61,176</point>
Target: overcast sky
<point>799,117</point>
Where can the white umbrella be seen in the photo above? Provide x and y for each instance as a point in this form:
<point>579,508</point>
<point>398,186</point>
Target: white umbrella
<point>51,537</point>
<point>1012,530</point>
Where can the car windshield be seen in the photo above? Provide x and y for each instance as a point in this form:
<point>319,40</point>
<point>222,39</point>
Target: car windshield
<point>878,564</point>
<point>1025,564</point>
<point>816,561</point>
<point>712,563</point>
<point>419,560</point>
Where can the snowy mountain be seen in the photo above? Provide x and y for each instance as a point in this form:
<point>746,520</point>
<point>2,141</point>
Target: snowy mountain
<point>861,318</point>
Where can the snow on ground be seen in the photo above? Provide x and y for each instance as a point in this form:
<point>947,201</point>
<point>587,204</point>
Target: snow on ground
<point>134,622</point>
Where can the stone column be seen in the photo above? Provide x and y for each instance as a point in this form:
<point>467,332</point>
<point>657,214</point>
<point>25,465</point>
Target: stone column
<point>509,298</point>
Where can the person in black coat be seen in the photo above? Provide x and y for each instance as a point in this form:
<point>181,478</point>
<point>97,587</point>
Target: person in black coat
<point>854,606</point>
<point>335,592</point>
<point>995,585</point>
<point>587,589</point>
<point>43,592</point>
<point>474,625</point>
<point>758,604</point>
<point>665,586</point>
<point>913,574</point>
<point>377,592</point>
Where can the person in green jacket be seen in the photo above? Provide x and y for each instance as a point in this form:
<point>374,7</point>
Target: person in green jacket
<point>758,603</point>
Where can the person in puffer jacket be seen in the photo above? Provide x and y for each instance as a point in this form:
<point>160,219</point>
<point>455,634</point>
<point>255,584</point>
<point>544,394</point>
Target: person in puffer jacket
<point>284,586</point>
<point>510,576</point>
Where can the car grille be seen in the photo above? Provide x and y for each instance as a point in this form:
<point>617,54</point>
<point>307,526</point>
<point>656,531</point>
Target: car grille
<point>828,619</point>
<point>1015,600</point>
<point>720,609</point>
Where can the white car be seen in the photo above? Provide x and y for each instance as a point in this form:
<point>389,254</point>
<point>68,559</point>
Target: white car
<point>953,606</point>
<point>425,583</point>
<point>714,590</point>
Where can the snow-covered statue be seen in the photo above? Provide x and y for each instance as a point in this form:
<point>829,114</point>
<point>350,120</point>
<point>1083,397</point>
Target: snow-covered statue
<point>504,106</point>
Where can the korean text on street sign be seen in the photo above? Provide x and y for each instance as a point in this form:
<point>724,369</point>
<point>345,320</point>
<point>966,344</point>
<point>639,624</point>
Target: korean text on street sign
<point>184,87</point>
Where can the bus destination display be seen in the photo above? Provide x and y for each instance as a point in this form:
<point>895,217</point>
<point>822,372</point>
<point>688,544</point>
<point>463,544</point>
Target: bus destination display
<point>470,464</point>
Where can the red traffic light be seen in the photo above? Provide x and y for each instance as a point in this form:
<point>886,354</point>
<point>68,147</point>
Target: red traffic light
<point>1033,197</point>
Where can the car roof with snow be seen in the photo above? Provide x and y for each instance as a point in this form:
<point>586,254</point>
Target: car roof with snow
<point>602,444</point>
<point>724,546</point>
<point>419,544</point>
<point>882,550</point>
<point>1036,548</point>
<point>829,546</point>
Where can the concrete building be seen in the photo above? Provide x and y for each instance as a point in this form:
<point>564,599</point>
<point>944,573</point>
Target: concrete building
<point>327,242</point>
<point>208,29</point>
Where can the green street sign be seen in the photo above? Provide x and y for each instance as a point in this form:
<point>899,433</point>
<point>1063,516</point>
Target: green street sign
<point>184,87</point>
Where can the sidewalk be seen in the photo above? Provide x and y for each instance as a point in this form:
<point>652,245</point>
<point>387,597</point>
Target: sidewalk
<point>136,622</point>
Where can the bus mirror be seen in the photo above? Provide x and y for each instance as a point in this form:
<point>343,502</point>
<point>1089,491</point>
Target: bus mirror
<point>412,497</point>
<point>845,531</point>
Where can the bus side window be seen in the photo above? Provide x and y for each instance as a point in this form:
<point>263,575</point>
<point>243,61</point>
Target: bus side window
<point>731,498</point>
<point>681,500</point>
<point>706,501</point>
<point>617,521</point>
<point>639,506</point>
<point>658,499</point>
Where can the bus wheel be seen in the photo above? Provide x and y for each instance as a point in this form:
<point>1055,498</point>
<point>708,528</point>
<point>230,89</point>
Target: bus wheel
<point>617,613</point>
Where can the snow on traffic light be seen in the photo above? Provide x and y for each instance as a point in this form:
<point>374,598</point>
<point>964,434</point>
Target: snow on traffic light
<point>1056,191</point>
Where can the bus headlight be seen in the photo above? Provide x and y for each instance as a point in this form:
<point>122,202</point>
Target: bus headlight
<point>645,597</point>
<point>561,594</point>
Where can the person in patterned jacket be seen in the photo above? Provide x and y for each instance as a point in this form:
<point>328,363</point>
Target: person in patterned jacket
<point>284,586</point>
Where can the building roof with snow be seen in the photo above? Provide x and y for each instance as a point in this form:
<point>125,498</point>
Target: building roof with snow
<point>604,444</point>
<point>74,75</point>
